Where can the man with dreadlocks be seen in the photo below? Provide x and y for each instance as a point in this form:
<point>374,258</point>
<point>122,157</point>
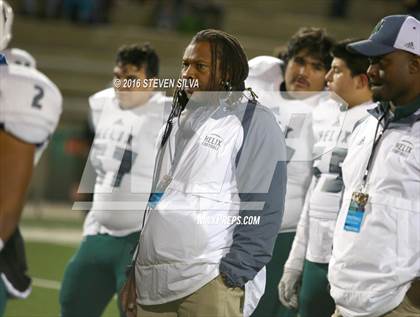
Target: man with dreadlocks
<point>221,164</point>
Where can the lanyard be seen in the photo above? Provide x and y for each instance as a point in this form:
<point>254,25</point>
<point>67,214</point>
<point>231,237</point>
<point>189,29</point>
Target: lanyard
<point>377,139</point>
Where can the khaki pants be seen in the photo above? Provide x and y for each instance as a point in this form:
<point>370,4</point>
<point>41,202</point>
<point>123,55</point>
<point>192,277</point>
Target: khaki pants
<point>410,306</point>
<point>214,299</point>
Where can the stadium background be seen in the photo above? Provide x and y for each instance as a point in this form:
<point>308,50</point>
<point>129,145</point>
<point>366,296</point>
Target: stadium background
<point>78,55</point>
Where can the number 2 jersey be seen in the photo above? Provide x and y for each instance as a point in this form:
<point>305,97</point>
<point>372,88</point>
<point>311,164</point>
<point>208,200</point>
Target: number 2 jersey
<point>30,105</point>
<point>123,156</point>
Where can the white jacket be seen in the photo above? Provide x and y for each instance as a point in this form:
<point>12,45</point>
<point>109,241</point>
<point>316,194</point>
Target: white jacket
<point>314,235</point>
<point>371,271</point>
<point>226,161</point>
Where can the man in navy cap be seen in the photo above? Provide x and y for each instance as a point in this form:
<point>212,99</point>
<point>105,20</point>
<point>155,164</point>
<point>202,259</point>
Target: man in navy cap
<point>375,266</point>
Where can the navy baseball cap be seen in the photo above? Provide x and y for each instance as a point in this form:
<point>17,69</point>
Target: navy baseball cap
<point>394,32</point>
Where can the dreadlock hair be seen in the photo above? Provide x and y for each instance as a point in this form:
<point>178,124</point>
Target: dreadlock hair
<point>233,62</point>
<point>233,66</point>
<point>315,40</point>
<point>139,56</point>
<point>357,63</point>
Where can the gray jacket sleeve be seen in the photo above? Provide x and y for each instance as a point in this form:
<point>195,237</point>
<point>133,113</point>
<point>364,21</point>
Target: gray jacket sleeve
<point>261,177</point>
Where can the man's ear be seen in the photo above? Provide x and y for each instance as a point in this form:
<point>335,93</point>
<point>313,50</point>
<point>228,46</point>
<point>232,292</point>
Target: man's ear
<point>414,64</point>
<point>362,81</point>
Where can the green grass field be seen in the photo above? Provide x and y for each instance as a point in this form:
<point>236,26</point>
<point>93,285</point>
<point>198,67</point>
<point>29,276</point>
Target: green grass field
<point>46,263</point>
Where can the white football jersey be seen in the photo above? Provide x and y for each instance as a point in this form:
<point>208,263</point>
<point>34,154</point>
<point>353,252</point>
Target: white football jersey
<point>324,202</point>
<point>30,105</point>
<point>314,236</point>
<point>123,156</point>
<point>295,117</point>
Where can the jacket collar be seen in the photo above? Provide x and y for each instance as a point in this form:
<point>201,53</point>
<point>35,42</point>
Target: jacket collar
<point>403,114</point>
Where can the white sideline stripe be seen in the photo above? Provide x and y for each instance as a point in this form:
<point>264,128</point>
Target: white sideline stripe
<point>51,235</point>
<point>43,283</point>
<point>50,284</point>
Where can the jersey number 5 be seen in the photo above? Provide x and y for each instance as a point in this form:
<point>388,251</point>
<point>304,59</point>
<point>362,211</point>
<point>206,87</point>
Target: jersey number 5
<point>38,96</point>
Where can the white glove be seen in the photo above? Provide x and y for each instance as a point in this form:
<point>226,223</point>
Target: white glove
<point>289,288</point>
